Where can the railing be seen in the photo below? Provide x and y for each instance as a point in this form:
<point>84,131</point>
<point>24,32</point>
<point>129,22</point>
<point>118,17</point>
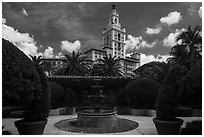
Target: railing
<point>87,77</point>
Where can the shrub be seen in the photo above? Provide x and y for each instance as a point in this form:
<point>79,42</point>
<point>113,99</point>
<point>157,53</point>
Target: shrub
<point>20,80</point>
<point>170,94</point>
<point>69,97</point>
<point>142,92</point>
<point>193,85</point>
<point>121,98</point>
<point>192,128</point>
<point>24,83</point>
<point>57,93</point>
<point>39,109</point>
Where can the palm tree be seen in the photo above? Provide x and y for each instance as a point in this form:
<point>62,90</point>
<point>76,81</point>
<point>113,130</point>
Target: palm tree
<point>46,65</point>
<point>76,64</point>
<point>97,70</point>
<point>178,53</point>
<point>111,67</point>
<point>192,40</point>
<point>36,60</point>
<point>189,51</point>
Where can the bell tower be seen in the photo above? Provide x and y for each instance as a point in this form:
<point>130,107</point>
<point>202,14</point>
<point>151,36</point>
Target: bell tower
<point>114,36</point>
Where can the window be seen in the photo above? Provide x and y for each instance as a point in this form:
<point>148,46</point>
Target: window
<point>119,48</point>
<point>118,36</point>
<point>116,21</point>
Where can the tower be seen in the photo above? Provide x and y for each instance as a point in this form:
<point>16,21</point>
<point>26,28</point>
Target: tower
<point>114,36</point>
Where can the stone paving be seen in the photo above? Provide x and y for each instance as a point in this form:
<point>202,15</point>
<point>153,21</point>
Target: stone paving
<point>146,125</point>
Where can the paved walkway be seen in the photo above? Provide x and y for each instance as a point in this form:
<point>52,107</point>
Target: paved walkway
<point>146,125</point>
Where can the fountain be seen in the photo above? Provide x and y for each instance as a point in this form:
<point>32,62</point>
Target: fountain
<point>97,116</point>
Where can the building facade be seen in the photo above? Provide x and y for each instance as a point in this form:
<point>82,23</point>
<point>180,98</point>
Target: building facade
<point>113,43</point>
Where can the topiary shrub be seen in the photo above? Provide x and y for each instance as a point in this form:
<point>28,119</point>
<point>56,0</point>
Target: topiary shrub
<point>193,85</point>
<point>170,94</point>
<point>39,109</point>
<point>24,82</point>
<point>20,80</point>
<point>69,98</point>
<point>142,93</point>
<point>121,98</point>
<point>57,94</point>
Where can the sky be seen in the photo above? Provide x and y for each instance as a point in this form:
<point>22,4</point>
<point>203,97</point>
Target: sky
<point>52,29</point>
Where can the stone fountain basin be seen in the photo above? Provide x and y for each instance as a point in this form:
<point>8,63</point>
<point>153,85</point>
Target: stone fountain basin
<point>102,120</point>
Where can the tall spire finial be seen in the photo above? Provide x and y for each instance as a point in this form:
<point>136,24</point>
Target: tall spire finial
<point>113,6</point>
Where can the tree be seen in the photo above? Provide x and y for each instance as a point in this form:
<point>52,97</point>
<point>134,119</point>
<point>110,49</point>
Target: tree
<point>46,65</point>
<point>189,51</point>
<point>97,70</point>
<point>111,67</point>
<point>36,60</point>
<point>153,70</point>
<point>76,64</point>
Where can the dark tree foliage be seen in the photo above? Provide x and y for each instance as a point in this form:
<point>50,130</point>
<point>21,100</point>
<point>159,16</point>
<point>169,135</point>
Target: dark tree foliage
<point>24,83</point>
<point>142,92</point>
<point>169,95</point>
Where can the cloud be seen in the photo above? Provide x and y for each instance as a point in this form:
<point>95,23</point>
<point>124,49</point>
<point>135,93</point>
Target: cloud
<point>170,40</point>
<point>153,31</point>
<point>23,41</point>
<point>3,21</point>
<point>200,12</point>
<point>59,55</point>
<point>149,58</point>
<point>24,12</point>
<point>172,18</point>
<point>137,42</point>
<point>48,53</point>
<point>69,47</point>
<point>28,48</point>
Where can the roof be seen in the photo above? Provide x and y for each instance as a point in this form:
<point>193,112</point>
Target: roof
<point>87,77</point>
<point>54,59</point>
<point>93,49</point>
<point>129,59</point>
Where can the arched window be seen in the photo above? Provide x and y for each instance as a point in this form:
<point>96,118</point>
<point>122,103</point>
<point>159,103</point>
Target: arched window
<point>116,21</point>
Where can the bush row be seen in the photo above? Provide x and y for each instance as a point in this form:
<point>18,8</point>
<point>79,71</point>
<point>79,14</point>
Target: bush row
<point>140,93</point>
<point>61,97</point>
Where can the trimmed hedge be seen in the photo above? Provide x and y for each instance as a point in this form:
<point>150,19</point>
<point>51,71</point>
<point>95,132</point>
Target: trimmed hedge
<point>121,98</point>
<point>57,92</point>
<point>69,97</point>
<point>61,97</point>
<point>81,86</point>
<point>142,93</point>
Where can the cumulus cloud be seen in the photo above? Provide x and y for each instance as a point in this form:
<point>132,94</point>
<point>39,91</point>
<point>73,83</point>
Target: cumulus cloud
<point>200,12</point>
<point>137,42</point>
<point>24,12</point>
<point>153,31</point>
<point>149,58</point>
<point>23,41</point>
<point>59,55</point>
<point>69,47</point>
<point>170,40</point>
<point>172,18</point>
<point>3,21</point>
<point>48,53</point>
